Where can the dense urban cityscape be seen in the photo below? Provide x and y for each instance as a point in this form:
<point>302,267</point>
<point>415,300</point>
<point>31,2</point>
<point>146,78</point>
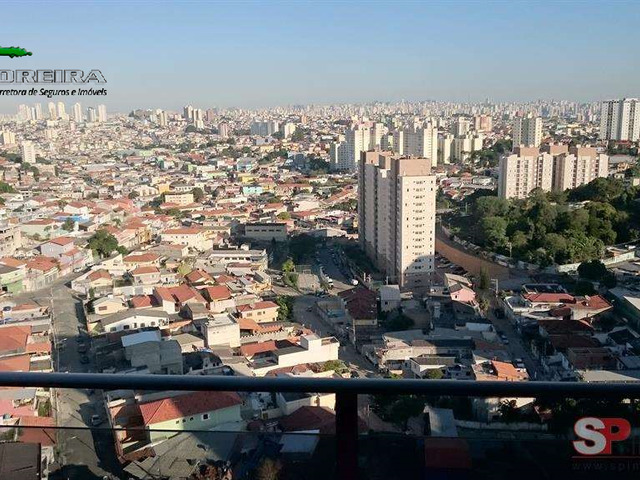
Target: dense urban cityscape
<point>329,240</point>
<point>425,240</point>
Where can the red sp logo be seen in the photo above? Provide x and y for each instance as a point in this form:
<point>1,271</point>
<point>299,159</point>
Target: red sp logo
<point>598,434</point>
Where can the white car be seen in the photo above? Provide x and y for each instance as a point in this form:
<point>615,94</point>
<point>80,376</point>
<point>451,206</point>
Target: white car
<point>354,282</point>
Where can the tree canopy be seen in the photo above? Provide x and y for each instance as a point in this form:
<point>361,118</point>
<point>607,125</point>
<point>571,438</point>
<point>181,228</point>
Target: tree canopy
<point>103,243</point>
<point>558,227</point>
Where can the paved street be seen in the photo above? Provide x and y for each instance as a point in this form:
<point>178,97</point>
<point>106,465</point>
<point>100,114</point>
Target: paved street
<point>73,408</point>
<point>516,347</point>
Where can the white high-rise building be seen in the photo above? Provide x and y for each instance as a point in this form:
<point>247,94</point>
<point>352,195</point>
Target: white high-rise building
<point>37,108</point>
<point>356,142</point>
<point>102,113</point>
<point>223,130</point>
<point>51,108</point>
<point>397,216</point>
<point>463,146</point>
<point>77,112</point>
<point>620,120</point>
<point>287,129</point>
<point>527,131</point>
<point>461,126</point>
<point>161,118</point>
<point>188,113</point>
<point>28,152</point>
<point>62,113</point>
<point>419,142</point>
<point>91,115</point>
<point>7,138</point>
<point>445,148</point>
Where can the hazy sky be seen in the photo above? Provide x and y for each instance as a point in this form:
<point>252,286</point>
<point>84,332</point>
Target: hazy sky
<point>257,54</point>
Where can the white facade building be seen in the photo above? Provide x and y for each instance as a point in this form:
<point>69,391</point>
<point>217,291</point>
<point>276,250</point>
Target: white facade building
<point>620,120</point>
<point>527,131</point>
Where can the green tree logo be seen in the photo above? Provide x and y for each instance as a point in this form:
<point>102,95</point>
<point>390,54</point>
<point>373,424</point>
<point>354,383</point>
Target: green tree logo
<point>14,52</point>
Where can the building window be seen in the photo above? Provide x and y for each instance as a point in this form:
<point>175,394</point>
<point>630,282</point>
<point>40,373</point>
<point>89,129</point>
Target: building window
<point>205,416</point>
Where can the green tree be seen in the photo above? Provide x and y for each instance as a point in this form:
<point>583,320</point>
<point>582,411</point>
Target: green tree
<point>288,266</point>
<point>336,365</point>
<point>133,195</point>
<point>6,188</point>
<point>493,232</point>
<point>103,243</point>
<point>593,270</point>
<point>285,312</point>
<point>434,374</point>
<point>284,216</point>
<point>68,225</point>
<point>198,194</point>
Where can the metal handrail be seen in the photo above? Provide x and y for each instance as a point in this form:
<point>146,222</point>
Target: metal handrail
<point>320,385</point>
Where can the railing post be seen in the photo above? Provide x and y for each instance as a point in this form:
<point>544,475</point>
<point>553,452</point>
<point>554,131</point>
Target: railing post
<point>347,436</point>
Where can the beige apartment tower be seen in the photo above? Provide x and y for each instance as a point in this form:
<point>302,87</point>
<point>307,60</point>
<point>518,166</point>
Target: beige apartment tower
<point>558,168</point>
<point>397,209</point>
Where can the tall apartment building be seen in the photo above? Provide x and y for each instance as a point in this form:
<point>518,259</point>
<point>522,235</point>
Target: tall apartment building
<point>91,115</point>
<point>51,108</point>
<point>527,131</point>
<point>397,216</point>
<point>579,167</point>
<point>264,129</point>
<point>77,112</point>
<point>620,120</point>
<point>524,170</point>
<point>357,140</point>
<point>557,168</point>
<point>37,111</point>
<point>102,113</point>
<point>482,123</point>
<point>62,113</point>
<point>7,138</point>
<point>223,130</point>
<point>417,142</point>
<point>462,146</point>
<point>445,148</point>
<point>187,113</point>
<point>461,126</point>
<point>28,153</point>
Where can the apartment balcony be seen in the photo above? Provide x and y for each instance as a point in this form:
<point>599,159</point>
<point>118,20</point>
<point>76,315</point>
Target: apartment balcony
<point>381,429</point>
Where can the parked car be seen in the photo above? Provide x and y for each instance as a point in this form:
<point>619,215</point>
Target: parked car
<point>96,420</point>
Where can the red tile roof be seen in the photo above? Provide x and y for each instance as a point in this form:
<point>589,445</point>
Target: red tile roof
<point>142,301</point>
<point>550,298</point>
<point>99,274</point>
<point>257,306</point>
<point>145,270</point>
<point>62,241</point>
<point>14,338</point>
<point>185,405</point>
<point>30,434</point>
<point>141,258</point>
<point>16,363</point>
<point>217,292</point>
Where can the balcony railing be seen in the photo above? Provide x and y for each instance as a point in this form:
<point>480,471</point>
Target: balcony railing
<point>346,391</point>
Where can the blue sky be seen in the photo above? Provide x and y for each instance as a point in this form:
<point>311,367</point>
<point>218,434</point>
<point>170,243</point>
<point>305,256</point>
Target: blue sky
<point>259,54</point>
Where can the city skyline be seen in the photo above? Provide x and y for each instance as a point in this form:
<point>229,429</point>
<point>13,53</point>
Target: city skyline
<point>285,54</point>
